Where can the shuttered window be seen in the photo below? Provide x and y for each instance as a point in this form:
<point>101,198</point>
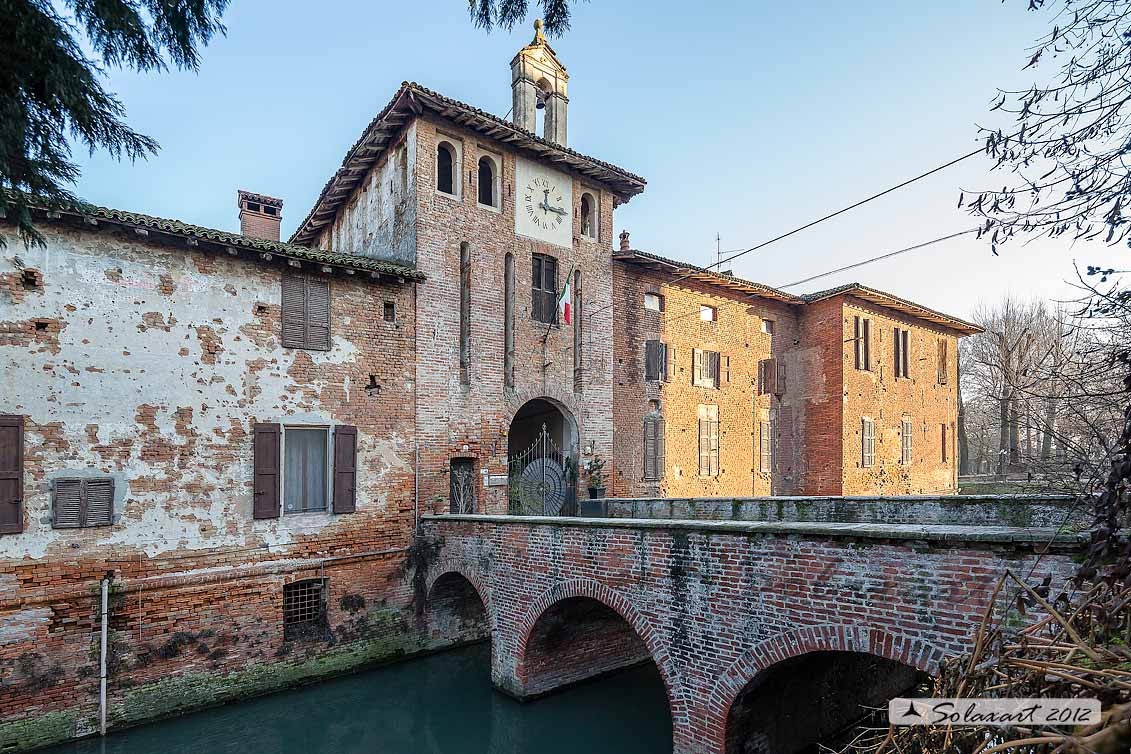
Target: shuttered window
<point>945,448</point>
<point>544,289</point>
<point>709,368</point>
<point>654,447</point>
<point>293,472</point>
<point>306,312</point>
<point>944,367</point>
<point>905,440</point>
<point>11,474</point>
<point>867,442</point>
<point>655,360</point>
<point>79,503</point>
<point>708,440</point>
<point>900,345</point>
<point>765,447</point>
<point>862,340</point>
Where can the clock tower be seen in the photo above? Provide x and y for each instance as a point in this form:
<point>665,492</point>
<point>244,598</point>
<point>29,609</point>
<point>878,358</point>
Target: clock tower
<point>538,83</point>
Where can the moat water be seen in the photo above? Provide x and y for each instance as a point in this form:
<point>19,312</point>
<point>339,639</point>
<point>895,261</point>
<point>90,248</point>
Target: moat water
<point>440,704</point>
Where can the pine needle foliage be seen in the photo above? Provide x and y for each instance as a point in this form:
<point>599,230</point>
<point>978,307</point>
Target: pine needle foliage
<point>53,58</point>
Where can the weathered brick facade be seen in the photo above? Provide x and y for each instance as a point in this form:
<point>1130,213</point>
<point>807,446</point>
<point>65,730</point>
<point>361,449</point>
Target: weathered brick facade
<point>715,603</point>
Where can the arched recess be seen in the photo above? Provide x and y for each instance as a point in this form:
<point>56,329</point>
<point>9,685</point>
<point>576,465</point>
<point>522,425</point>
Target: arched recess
<point>585,594</point>
<point>457,608</point>
<point>801,686</point>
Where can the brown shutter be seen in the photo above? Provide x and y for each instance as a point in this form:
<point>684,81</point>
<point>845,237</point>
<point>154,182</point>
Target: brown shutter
<point>904,351</point>
<point>652,361</point>
<point>669,362</point>
<point>11,474</point>
<point>856,345</point>
<point>943,370</point>
<point>896,344</point>
<point>704,447</point>
<point>779,377</point>
<point>345,469</point>
<point>317,314</point>
<point>867,336</point>
<point>67,508</point>
<point>294,311</point>
<point>99,504</point>
<point>724,370</point>
<point>649,448</point>
<point>661,450</point>
<point>266,470</point>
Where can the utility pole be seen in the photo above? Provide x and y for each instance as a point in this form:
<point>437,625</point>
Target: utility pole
<point>718,252</point>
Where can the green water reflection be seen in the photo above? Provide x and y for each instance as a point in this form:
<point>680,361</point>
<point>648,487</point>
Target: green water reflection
<point>442,704</point>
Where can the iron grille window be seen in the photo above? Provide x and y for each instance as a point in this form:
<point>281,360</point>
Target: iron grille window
<point>80,503</point>
<point>867,443</point>
<point>304,609</point>
<point>544,289</point>
<point>462,485</point>
<point>905,443</point>
<point>390,311</point>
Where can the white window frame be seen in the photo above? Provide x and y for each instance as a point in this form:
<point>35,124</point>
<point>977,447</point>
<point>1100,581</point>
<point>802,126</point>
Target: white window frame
<point>496,189</point>
<point>657,297</point>
<point>457,167</point>
<point>329,462</point>
<point>594,216</point>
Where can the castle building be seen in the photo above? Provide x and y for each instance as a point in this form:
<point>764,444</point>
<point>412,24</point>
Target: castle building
<point>239,432</point>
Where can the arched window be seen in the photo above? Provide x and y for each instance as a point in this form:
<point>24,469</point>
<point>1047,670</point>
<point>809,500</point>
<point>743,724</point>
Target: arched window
<point>588,216</point>
<point>446,168</point>
<point>488,175</point>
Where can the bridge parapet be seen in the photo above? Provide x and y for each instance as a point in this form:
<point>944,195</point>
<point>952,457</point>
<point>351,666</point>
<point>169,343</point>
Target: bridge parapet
<point>1017,511</point>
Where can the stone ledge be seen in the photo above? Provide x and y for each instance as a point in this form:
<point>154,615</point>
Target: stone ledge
<point>923,533</point>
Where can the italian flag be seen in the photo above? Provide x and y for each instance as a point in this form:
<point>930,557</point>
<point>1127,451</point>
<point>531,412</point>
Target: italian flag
<point>564,307</point>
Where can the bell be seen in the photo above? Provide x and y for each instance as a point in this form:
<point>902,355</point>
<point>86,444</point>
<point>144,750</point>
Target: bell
<point>541,104</point>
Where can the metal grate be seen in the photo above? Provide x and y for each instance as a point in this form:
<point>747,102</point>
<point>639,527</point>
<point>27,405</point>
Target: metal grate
<point>304,609</point>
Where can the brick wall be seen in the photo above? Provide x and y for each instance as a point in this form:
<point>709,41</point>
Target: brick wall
<point>150,367</point>
<point>472,420</point>
<point>714,607</point>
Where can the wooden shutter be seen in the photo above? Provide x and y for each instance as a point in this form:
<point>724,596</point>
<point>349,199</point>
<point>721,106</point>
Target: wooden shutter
<point>11,474</point>
<point>266,459</point>
<point>858,349</point>
<point>714,430</point>
<point>942,428</point>
<point>536,288</point>
<point>724,370</point>
<point>652,360</point>
<point>895,348</point>
<point>317,314</point>
<point>764,447</point>
<point>704,447</point>
<point>943,371</point>
<point>779,378</point>
<point>294,311</point>
<point>99,503</point>
<point>67,510</point>
<point>669,361</point>
<point>345,469</point>
<point>661,448</point>
<point>904,352</point>
<point>696,367</point>
<point>712,368</point>
<point>649,448</point>
<point>867,338</point>
<point>550,302</point>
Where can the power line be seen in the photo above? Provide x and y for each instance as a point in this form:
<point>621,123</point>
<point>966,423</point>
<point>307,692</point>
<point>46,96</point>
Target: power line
<point>841,211</point>
<point>888,255</point>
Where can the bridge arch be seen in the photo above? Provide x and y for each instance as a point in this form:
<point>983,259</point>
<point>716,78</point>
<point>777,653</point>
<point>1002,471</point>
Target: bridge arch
<point>596,592</point>
<point>849,648</point>
<point>457,605</point>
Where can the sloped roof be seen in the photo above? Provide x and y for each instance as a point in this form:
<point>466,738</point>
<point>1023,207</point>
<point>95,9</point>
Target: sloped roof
<point>412,100</point>
<point>185,235</point>
<point>891,301</point>
<point>703,275</point>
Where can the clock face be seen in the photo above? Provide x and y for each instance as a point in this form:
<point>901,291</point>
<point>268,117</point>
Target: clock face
<point>544,209</point>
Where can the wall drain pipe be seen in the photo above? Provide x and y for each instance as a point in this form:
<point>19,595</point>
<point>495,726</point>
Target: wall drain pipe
<point>102,654</point>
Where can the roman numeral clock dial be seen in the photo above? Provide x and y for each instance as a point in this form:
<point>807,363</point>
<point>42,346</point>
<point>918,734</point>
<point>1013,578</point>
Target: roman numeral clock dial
<point>545,209</point>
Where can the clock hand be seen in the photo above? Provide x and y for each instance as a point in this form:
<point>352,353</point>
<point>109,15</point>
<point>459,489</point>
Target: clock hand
<point>557,210</point>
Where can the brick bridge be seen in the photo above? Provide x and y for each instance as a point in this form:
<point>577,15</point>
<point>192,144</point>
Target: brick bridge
<point>838,613</point>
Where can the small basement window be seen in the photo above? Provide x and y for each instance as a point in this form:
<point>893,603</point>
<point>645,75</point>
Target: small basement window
<point>304,609</point>
<point>390,311</point>
<point>80,503</point>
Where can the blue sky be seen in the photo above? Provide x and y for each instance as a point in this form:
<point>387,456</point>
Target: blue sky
<point>747,120</point>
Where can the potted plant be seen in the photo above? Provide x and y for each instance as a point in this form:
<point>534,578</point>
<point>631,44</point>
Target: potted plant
<point>596,472</point>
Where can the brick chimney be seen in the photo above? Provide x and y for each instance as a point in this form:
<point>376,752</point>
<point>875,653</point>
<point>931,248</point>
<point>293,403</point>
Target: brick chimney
<point>260,215</point>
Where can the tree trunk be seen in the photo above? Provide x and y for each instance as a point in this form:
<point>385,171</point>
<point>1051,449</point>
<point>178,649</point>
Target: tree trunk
<point>963,440</point>
<point>1003,433</point>
<point>1014,450</point>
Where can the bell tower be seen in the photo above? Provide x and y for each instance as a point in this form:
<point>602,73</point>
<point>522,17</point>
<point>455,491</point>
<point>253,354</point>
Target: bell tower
<point>538,84</point>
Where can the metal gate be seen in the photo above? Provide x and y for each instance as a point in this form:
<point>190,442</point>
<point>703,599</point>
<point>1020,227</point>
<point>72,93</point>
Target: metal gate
<point>463,485</point>
<point>542,480</point>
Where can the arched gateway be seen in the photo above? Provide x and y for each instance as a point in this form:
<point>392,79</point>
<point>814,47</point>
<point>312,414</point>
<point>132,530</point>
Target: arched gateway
<point>542,459</point>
